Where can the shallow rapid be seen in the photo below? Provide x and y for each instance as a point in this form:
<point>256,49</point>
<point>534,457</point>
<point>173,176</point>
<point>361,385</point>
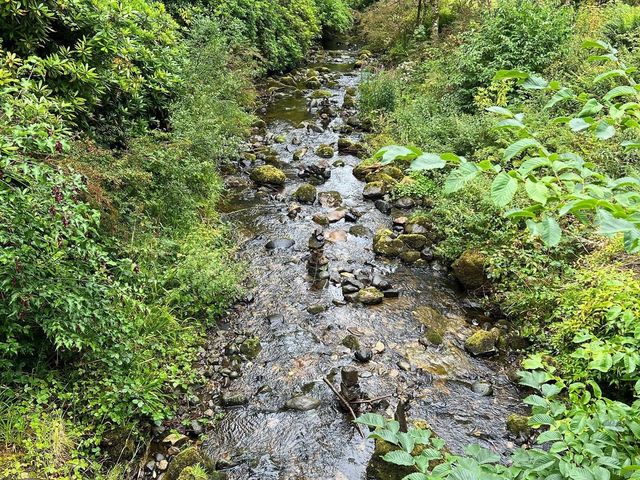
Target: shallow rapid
<point>257,438</point>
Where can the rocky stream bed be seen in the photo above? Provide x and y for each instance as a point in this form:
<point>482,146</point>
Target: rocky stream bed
<point>323,305</point>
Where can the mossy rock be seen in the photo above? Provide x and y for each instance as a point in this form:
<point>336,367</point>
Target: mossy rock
<point>370,296</point>
<point>414,241</point>
<point>280,138</point>
<point>349,102</point>
<point>313,84</point>
<point>482,342</point>
<point>351,341</point>
<point>325,151</point>
<point>321,94</point>
<point>387,180</point>
<point>300,153</point>
<point>188,458</point>
<point>410,256</point>
<point>249,157</point>
<point>434,322</point>
<point>268,175</point>
<point>394,172</point>
<point>518,425</point>
<point>469,269</point>
<point>383,244</point>
<point>353,91</point>
<point>374,190</point>
<point>364,168</point>
<point>251,347</point>
<point>306,193</point>
<point>195,473</point>
<point>349,146</point>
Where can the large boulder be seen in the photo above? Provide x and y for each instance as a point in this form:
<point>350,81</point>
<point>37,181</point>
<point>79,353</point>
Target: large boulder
<point>469,269</point>
<point>370,296</point>
<point>268,175</point>
<point>384,244</point>
<point>483,342</point>
<point>365,168</point>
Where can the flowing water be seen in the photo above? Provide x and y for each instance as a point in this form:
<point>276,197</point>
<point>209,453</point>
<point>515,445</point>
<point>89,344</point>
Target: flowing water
<point>262,440</point>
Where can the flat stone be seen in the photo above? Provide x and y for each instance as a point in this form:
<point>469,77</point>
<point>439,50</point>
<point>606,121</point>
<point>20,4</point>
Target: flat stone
<point>279,244</point>
<point>484,389</point>
<point>337,236</point>
<point>302,403</point>
<point>336,215</point>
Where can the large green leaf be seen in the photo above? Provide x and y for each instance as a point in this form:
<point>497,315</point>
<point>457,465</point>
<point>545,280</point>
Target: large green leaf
<point>428,161</point>
<point>371,420</point>
<point>550,231</point>
<point>459,177</point>
<point>503,189</point>
<point>537,191</point>
<point>619,91</point>
<point>604,131</point>
<point>394,152</point>
<point>518,147</point>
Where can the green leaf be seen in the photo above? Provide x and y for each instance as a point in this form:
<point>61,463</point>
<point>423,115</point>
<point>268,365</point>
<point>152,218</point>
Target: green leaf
<point>560,96</point>
<point>510,75</point>
<point>394,152</point>
<point>610,225</point>
<point>406,441</point>
<point>371,420</point>
<point>609,74</point>
<point>417,476</point>
<point>580,124</point>
<point>620,91</point>
<point>386,435</point>
<point>518,147</point>
<point>531,164</point>
<point>537,191</point>
<point>501,111</point>
<point>590,108</point>
<point>549,436</point>
<point>482,455</point>
<point>459,177</point>
<point>540,419</point>
<point>399,457</point>
<point>428,161</point>
<point>533,82</point>
<point>597,44</point>
<point>550,231</point>
<point>503,189</point>
<point>604,131</point>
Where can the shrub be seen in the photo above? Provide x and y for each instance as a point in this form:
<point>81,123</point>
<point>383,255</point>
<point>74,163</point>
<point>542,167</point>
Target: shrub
<point>518,34</point>
<point>379,94</point>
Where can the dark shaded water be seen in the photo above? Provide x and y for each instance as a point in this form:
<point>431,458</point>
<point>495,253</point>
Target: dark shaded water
<point>261,439</point>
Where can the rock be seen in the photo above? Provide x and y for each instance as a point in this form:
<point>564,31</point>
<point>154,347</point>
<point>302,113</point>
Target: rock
<point>348,146</point>
<point>233,399</point>
<point>353,91</point>
<point>434,322</point>
<point>374,190</point>
<point>384,244</point>
<point>313,84</point>
<point>469,269</point>
<point>404,202</point>
<point>380,282</point>
<point>300,153</point>
<point>336,215</point>
<point>365,168</point>
<point>393,172</point>
<point>175,439</point>
<point>370,296</point>
<point>293,210</point>
<point>391,293</point>
<point>316,309</point>
<point>251,347</point>
<point>196,427</point>
<point>325,151</point>
<point>518,425</point>
<point>337,236</point>
<point>320,94</point>
<point>413,240</point>
<point>302,403</point>
<point>268,175</point>
<point>484,389</point>
<point>404,365</point>
<point>162,465</point>
<point>349,102</point>
<point>378,347</point>
<point>279,244</point>
<point>351,342</point>
<point>387,180</point>
<point>320,219</point>
<point>383,206</point>
<point>360,231</point>
<point>416,228</point>
<point>150,465</point>
<point>363,354</point>
<point>306,193</point>
<point>187,458</point>
<point>330,199</point>
<point>280,139</point>
<point>482,342</point>
<point>410,256</point>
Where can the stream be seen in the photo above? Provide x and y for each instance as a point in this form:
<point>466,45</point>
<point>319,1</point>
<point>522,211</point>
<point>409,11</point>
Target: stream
<point>257,438</point>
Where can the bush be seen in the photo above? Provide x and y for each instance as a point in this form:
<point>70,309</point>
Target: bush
<point>379,93</point>
<point>518,34</point>
<point>109,66</point>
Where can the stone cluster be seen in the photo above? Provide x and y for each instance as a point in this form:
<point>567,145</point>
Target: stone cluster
<point>318,264</point>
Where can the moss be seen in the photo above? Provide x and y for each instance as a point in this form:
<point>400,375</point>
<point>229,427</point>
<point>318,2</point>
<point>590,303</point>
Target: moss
<point>434,322</point>
<point>364,168</point>
<point>321,94</point>
<point>351,341</point>
<point>306,193</point>
<point>385,179</point>
<point>410,256</point>
<point>370,296</point>
<point>482,342</point>
<point>187,458</point>
<point>349,102</point>
<point>325,151</point>
<point>414,241</point>
<point>251,347</point>
<point>268,175</point>
<point>383,244</point>
<point>518,424</point>
<point>469,269</point>
<point>394,172</point>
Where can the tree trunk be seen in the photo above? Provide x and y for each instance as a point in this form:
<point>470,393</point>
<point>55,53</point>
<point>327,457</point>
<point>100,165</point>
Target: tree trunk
<point>435,22</point>
<point>419,17</point>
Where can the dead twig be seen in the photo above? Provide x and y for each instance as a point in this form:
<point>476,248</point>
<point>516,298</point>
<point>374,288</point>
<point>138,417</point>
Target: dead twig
<point>373,400</point>
<point>345,403</point>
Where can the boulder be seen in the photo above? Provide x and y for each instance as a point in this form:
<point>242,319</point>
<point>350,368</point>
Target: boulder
<point>302,403</point>
<point>374,190</point>
<point>251,347</point>
<point>384,244</point>
<point>349,146</point>
<point>469,269</point>
<point>482,342</point>
<point>413,241</point>
<point>306,193</point>
<point>365,168</point>
<point>518,425</point>
<point>268,175</point>
<point>300,153</point>
<point>330,199</point>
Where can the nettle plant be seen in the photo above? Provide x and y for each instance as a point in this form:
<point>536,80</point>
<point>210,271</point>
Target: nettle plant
<point>582,436</point>
<point>556,184</point>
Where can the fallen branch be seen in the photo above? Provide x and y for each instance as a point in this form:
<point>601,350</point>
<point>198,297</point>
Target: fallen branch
<point>345,403</point>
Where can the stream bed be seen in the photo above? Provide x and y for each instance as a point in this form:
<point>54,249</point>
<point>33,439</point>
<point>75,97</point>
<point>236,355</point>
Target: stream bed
<point>302,323</point>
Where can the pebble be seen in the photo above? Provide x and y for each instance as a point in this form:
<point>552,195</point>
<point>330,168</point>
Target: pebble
<point>404,365</point>
<point>484,389</point>
<point>378,347</point>
<point>363,354</point>
<point>302,403</point>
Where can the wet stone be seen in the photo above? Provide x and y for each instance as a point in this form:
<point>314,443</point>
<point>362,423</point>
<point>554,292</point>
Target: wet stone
<point>363,354</point>
<point>302,403</point>
<point>484,389</point>
<point>280,244</point>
